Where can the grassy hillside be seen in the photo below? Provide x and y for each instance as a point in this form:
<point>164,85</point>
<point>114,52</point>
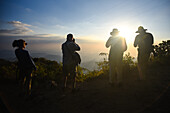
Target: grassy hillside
<point>95,94</point>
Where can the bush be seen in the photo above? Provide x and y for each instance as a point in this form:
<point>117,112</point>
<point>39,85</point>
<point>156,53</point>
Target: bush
<point>161,53</point>
<point>162,49</point>
<point>7,69</point>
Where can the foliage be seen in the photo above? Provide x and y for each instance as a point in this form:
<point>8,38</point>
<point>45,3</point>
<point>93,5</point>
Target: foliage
<point>127,59</point>
<point>52,70</point>
<point>104,54</point>
<point>81,76</point>
<point>161,57</point>
<point>48,69</point>
<point>7,69</point>
<point>84,74</point>
<point>162,49</point>
<point>162,53</point>
<point>103,66</point>
<point>128,62</point>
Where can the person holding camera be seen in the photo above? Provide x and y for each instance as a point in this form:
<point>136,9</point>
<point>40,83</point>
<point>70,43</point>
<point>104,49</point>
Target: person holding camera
<point>69,63</point>
<point>117,46</point>
<point>144,41</point>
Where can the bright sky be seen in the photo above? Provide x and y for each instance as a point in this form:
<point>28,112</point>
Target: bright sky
<point>87,19</point>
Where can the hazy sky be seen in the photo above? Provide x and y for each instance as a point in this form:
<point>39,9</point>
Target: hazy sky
<point>49,21</point>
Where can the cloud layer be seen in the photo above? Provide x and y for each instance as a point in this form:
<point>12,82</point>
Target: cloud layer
<point>17,28</point>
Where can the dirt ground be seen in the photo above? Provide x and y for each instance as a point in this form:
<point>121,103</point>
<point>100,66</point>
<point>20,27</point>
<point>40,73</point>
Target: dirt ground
<point>94,96</point>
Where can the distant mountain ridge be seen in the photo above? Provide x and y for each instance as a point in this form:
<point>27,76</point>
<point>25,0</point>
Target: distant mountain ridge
<point>90,64</point>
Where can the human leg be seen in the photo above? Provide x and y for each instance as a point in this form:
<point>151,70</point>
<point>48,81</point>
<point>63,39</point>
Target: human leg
<point>143,64</point>
<point>139,66</point>
<point>28,82</point>
<point>112,72</point>
<point>65,74</point>
<point>119,72</point>
<point>110,75</point>
<point>22,79</point>
<point>73,76</point>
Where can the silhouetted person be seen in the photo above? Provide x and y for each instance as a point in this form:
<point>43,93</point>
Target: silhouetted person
<point>144,43</point>
<point>118,47</point>
<point>25,65</point>
<point>69,64</point>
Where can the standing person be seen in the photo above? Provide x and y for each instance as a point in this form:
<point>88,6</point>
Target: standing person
<point>25,65</point>
<point>69,65</point>
<point>118,47</point>
<point>144,43</point>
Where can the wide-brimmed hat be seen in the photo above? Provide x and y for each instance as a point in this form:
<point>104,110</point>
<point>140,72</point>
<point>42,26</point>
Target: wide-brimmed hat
<point>114,31</point>
<point>140,28</point>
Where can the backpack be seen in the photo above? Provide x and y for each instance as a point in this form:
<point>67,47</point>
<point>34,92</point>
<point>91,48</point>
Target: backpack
<point>76,58</point>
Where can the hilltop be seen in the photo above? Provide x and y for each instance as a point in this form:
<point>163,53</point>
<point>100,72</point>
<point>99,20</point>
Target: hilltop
<point>95,95</point>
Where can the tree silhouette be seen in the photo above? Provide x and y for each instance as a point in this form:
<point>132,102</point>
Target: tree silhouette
<point>162,49</point>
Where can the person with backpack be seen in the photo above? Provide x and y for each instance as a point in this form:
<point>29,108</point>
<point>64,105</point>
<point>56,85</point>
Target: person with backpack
<point>25,65</point>
<point>117,46</point>
<point>144,42</point>
<point>70,60</point>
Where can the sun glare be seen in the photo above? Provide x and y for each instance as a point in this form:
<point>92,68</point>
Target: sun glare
<point>127,33</point>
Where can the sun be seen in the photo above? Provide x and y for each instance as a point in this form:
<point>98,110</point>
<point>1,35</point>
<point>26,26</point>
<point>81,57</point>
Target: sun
<point>128,33</point>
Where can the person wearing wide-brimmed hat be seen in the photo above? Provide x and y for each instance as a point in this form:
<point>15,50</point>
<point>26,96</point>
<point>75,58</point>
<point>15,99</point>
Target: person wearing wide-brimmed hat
<point>118,47</point>
<point>143,41</point>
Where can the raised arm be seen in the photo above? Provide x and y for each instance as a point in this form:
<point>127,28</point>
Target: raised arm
<point>73,47</point>
<point>108,43</point>
<point>136,41</point>
<point>77,47</point>
<point>124,44</point>
<point>152,39</point>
